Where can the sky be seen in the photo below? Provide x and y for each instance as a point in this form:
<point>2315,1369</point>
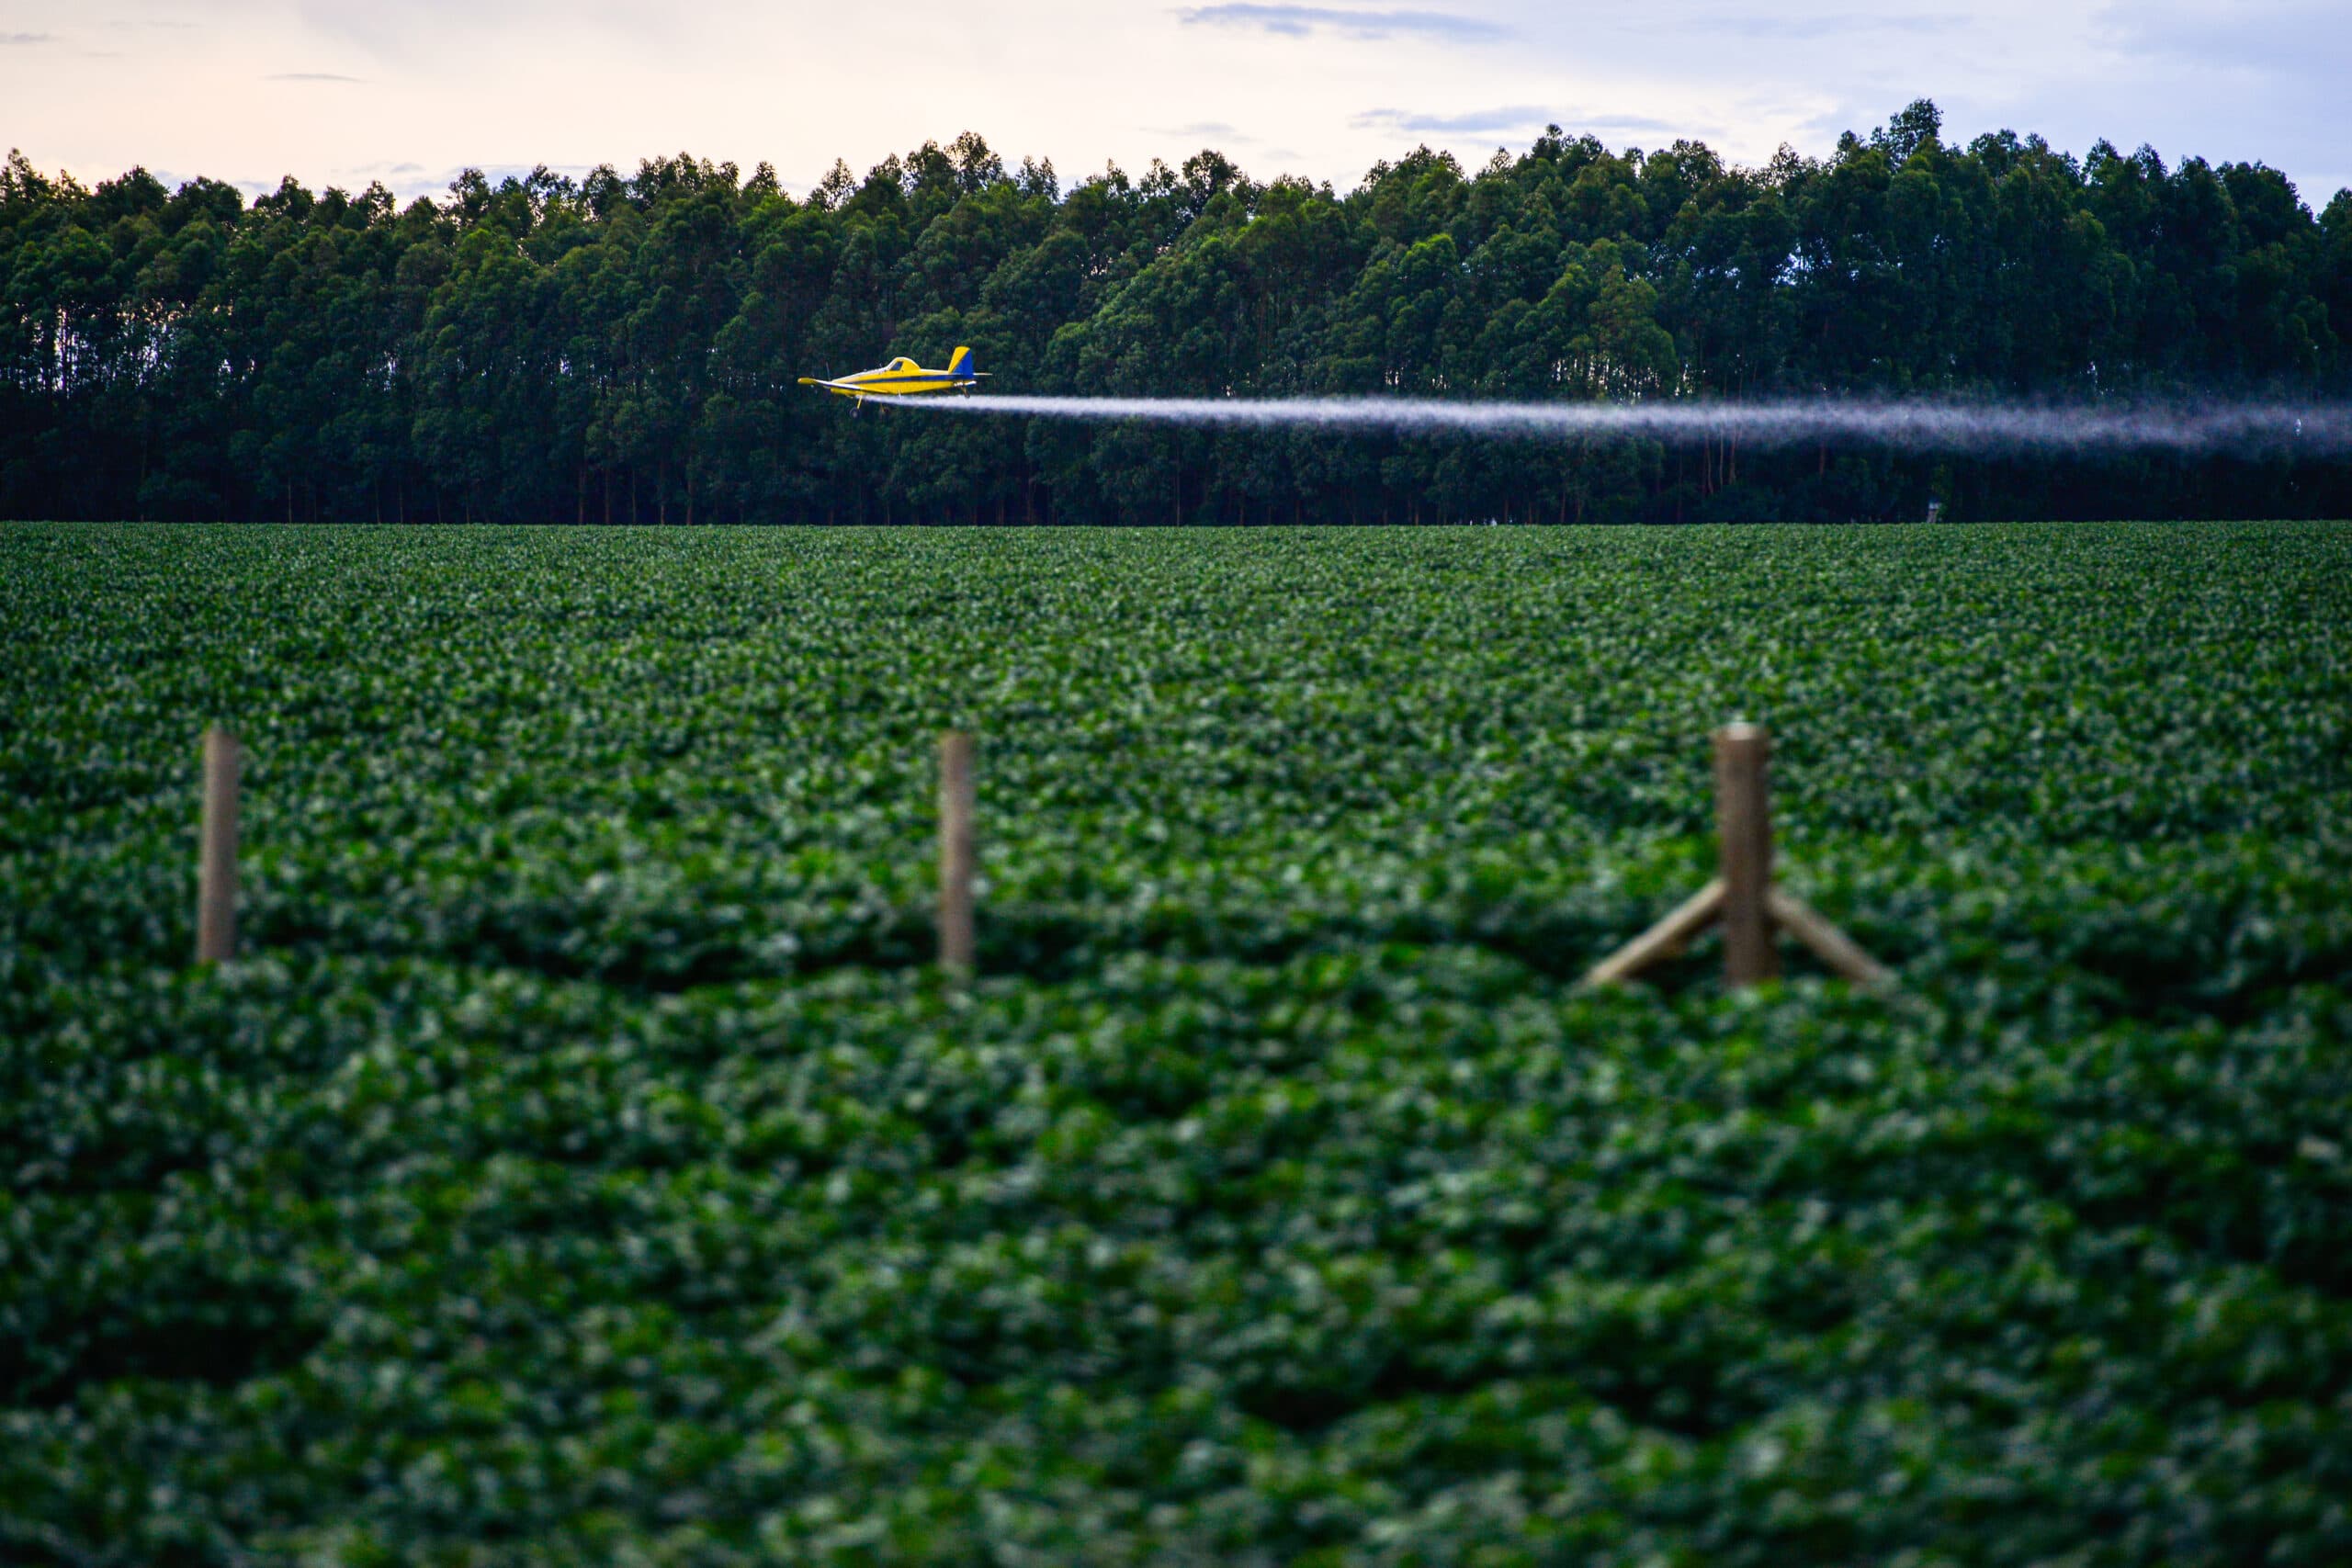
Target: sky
<point>409,92</point>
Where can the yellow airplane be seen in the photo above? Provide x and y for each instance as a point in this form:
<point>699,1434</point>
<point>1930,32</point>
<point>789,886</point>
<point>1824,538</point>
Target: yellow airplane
<point>903,378</point>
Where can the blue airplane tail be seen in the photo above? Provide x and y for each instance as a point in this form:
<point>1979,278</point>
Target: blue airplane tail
<point>959,364</point>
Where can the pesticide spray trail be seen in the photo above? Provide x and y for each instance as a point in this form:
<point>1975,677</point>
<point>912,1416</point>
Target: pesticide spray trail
<point>2235,429</point>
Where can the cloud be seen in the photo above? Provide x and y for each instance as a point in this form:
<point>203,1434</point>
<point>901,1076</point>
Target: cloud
<point>1580,123</point>
<point>2270,38</point>
<point>27,39</point>
<point>1518,117</point>
<point>1297,21</point>
<point>312,76</point>
<point>1808,28</point>
<point>414,32</point>
<point>1511,119</point>
<point>1205,129</point>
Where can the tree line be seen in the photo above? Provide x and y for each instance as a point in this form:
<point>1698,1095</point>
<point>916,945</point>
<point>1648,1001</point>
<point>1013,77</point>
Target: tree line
<point>625,348</point>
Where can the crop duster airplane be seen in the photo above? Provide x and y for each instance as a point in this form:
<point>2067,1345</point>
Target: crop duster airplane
<point>903,378</point>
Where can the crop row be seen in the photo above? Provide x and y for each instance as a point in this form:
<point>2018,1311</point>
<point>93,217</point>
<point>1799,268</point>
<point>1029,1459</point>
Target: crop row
<point>668,762</point>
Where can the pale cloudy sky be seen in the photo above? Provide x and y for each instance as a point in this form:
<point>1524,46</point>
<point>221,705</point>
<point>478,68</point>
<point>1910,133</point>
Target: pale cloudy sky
<point>409,91</point>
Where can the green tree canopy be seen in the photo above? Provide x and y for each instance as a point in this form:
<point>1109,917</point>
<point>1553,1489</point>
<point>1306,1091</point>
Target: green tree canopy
<point>625,347</point>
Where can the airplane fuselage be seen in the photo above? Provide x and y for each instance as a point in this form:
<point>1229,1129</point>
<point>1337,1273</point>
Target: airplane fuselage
<point>903,378</point>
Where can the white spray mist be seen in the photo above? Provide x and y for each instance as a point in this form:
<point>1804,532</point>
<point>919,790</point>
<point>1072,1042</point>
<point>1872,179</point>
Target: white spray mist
<point>2213,428</point>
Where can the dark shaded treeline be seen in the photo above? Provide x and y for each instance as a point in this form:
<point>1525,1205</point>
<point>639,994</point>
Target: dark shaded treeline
<point>625,348</point>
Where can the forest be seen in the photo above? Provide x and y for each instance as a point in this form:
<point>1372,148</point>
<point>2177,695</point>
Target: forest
<point>623,348</point>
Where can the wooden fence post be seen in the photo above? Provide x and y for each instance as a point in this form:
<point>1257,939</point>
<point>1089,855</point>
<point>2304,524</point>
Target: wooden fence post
<point>1744,818</point>
<point>1752,910</point>
<point>955,859</point>
<point>216,877</point>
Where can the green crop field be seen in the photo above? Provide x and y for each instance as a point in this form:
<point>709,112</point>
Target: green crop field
<point>582,1165</point>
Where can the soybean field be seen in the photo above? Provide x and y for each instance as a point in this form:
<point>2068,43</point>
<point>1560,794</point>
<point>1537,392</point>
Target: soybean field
<point>583,1161</point>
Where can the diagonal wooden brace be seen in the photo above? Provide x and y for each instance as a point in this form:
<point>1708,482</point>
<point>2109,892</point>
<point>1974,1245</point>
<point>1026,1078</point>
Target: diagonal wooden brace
<point>1838,952</point>
<point>1662,940</point>
<point>1835,950</point>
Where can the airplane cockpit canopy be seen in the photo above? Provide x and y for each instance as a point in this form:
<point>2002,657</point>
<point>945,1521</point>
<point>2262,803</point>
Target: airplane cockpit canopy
<point>902,363</point>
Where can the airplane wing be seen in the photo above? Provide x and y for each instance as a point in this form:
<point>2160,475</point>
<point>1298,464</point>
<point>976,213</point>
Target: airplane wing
<point>836,385</point>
